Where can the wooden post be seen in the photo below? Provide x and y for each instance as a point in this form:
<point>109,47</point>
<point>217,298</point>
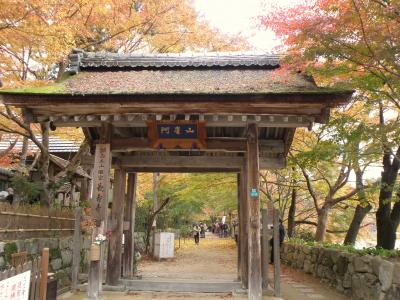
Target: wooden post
<point>116,227</point>
<point>76,253</point>
<point>265,248</point>
<point>239,195</point>
<point>277,256</point>
<point>155,207</point>
<point>99,204</point>
<point>255,282</point>
<point>44,268</point>
<point>129,245</point>
<point>243,229</point>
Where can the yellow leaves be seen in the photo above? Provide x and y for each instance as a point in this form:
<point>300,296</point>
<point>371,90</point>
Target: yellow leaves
<point>38,34</point>
<point>209,244</point>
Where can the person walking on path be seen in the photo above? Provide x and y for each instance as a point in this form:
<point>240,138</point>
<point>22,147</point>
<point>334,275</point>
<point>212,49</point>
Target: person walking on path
<point>282,234</point>
<point>203,228</point>
<point>196,233</point>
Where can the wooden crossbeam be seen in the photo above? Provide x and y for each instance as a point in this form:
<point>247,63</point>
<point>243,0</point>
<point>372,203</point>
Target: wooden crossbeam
<point>169,163</point>
<point>212,162</point>
<point>139,120</point>
<point>213,144</point>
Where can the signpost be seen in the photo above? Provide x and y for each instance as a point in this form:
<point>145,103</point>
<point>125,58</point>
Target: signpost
<point>177,134</point>
<point>16,287</point>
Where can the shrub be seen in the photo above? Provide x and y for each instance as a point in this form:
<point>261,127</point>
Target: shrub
<point>26,190</point>
<point>348,248</point>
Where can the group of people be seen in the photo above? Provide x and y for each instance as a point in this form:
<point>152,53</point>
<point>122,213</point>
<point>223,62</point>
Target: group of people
<point>220,228</point>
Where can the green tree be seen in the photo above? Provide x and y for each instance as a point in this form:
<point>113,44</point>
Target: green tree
<point>354,43</point>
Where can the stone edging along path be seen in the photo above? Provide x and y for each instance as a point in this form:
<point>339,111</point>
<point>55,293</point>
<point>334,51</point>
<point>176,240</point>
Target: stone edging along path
<point>361,277</point>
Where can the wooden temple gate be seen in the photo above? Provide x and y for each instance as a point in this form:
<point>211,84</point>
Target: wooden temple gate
<point>179,113</point>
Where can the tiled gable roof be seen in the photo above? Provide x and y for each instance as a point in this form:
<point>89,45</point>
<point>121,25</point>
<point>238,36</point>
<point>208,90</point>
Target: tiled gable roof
<point>56,144</point>
<point>80,60</point>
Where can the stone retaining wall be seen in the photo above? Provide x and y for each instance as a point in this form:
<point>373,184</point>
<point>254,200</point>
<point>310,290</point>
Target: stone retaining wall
<point>60,253</point>
<point>361,277</point>
<point>60,250</point>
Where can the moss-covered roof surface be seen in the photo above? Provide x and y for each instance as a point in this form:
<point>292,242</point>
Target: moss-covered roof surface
<point>199,81</point>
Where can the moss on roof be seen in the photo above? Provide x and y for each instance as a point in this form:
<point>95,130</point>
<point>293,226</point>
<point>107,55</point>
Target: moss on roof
<point>257,81</point>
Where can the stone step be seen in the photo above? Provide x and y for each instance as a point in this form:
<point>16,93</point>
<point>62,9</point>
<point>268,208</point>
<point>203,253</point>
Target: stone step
<point>166,285</point>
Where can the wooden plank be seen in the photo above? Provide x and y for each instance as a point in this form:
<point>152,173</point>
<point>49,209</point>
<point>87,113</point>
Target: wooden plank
<point>239,195</point>
<point>184,169</point>
<point>130,120</point>
<point>99,204</point>
<point>267,163</point>
<point>155,207</point>
<point>38,279</point>
<point>255,282</point>
<point>33,280</point>
<point>181,161</point>
<point>129,246</point>
<point>77,246</point>
<point>116,227</point>
<point>277,256</point>
<point>213,144</point>
<point>244,229</point>
<point>44,269</point>
<point>265,248</point>
<point>308,103</point>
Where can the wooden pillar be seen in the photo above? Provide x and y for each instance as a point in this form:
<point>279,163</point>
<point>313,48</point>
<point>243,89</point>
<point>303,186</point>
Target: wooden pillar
<point>277,256</point>
<point>116,227</point>
<point>239,195</point>
<point>155,207</point>
<point>255,286</point>
<point>44,269</point>
<point>99,205</point>
<point>243,229</point>
<point>129,245</point>
<point>264,248</point>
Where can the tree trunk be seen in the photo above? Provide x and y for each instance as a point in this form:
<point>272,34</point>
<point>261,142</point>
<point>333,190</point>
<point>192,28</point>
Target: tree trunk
<point>321,224</point>
<point>24,153</point>
<point>151,221</point>
<point>386,223</point>
<point>362,208</point>
<point>62,66</point>
<point>292,213</point>
<point>359,215</point>
<point>44,162</point>
<point>386,232</point>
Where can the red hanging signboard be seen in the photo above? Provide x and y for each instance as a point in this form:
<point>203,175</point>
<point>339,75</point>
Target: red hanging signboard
<point>177,134</point>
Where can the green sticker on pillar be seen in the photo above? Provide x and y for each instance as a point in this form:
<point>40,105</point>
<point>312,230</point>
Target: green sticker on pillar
<point>254,192</point>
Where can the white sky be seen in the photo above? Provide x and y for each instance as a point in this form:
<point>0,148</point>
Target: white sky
<point>240,17</point>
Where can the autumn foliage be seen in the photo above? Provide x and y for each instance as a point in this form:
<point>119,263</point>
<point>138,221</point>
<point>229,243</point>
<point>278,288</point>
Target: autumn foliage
<point>37,35</point>
<point>356,41</point>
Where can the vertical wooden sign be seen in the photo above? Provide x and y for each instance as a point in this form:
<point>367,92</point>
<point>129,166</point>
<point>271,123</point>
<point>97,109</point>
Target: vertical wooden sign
<point>99,203</point>
<point>101,183</point>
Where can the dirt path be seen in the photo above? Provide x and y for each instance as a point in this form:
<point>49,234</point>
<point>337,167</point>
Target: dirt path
<point>212,259</point>
<point>215,259</point>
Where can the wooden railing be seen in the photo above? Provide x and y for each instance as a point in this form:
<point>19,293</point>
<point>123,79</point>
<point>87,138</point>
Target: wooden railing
<point>23,222</point>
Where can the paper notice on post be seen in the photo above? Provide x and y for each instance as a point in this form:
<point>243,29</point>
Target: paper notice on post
<point>16,287</point>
